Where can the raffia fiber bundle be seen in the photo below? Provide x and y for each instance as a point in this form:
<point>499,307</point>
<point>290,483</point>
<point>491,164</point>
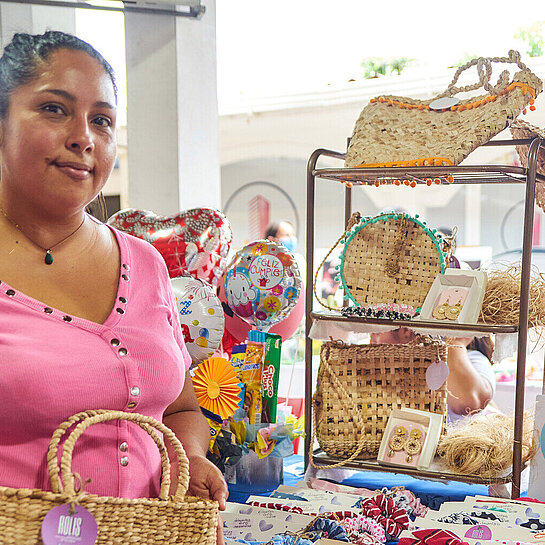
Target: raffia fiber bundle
<point>484,445</point>
<point>501,302</point>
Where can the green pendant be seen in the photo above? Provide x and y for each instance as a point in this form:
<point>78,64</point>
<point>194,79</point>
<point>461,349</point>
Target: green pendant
<point>48,258</point>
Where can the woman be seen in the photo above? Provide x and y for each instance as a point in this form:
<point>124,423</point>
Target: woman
<point>471,382</point>
<point>87,316</point>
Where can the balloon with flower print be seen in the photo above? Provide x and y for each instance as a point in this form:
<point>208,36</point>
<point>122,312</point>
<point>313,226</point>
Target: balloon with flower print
<point>262,283</point>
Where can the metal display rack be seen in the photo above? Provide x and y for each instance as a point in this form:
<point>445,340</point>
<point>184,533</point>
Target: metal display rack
<point>478,174</point>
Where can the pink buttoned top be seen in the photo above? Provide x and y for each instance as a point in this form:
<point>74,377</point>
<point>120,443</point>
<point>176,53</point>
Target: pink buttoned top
<point>53,365</point>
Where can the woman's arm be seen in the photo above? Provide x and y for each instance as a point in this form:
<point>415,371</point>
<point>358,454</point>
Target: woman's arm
<point>185,419</point>
<point>468,390</point>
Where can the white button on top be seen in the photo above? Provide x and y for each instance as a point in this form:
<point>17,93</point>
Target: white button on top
<point>135,391</point>
<point>444,103</point>
<point>123,447</point>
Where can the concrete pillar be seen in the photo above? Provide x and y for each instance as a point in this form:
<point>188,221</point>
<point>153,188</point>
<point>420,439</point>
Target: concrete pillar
<point>34,19</point>
<point>172,114</point>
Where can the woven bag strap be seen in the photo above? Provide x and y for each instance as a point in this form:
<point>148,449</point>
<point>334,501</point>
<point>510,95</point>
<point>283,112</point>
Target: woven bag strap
<point>87,419</point>
<point>341,390</point>
<point>484,70</point>
<point>53,468</point>
<point>355,218</point>
<point>521,124</point>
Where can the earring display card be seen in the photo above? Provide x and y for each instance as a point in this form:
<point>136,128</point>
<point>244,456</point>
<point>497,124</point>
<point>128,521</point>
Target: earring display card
<point>410,438</point>
<point>455,297</point>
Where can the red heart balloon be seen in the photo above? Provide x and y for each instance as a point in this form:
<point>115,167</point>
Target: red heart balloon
<point>195,241</point>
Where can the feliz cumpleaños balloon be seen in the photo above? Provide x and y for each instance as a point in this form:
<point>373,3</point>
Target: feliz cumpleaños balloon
<point>201,316</point>
<point>262,283</point>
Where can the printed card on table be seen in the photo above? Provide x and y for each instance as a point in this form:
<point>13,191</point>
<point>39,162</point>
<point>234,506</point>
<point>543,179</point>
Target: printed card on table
<point>485,531</point>
<point>258,523</point>
<point>470,541</point>
<point>308,506</point>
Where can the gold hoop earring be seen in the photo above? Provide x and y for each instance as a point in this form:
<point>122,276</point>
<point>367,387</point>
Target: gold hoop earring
<point>397,441</point>
<point>440,311</point>
<point>413,445</point>
<point>454,310</point>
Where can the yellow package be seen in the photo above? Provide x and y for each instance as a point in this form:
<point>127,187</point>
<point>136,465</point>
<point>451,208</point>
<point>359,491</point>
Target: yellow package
<point>253,363</point>
<point>252,402</point>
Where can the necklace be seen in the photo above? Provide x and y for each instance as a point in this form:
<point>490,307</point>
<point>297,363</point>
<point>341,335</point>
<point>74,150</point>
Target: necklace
<point>48,258</point>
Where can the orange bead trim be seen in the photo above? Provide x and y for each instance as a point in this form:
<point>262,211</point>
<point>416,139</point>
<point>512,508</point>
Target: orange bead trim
<point>460,108</point>
<point>426,161</point>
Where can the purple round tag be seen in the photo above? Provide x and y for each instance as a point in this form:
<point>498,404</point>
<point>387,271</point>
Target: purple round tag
<point>60,527</point>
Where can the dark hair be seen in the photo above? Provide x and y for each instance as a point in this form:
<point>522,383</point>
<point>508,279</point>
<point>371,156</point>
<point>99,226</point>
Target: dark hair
<point>22,56</point>
<point>484,345</point>
<point>272,228</point>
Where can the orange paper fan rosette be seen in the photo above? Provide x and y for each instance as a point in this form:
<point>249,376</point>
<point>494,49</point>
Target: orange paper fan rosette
<point>217,387</point>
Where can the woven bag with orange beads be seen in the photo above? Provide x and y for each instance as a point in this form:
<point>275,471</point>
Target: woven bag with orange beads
<point>398,131</point>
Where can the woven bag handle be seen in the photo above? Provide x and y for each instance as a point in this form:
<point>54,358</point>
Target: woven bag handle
<point>356,412</point>
<point>355,218</point>
<point>54,442</point>
<point>90,418</point>
<point>54,470</point>
<point>484,70</point>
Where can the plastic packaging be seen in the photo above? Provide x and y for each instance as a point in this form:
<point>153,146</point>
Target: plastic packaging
<point>269,377</point>
<point>251,374</point>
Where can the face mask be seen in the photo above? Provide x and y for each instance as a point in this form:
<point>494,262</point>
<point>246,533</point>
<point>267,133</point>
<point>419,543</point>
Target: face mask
<point>289,242</point>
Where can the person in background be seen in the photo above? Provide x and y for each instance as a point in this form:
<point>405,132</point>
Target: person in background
<point>282,232</point>
<point>88,320</point>
<point>471,383</point>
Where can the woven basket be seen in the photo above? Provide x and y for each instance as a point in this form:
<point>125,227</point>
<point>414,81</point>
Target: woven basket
<point>177,519</point>
<point>522,129</point>
<point>390,258</point>
<point>403,130</point>
<point>359,385</point>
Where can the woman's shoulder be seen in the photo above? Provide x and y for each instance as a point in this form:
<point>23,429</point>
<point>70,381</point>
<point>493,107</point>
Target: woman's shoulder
<point>136,246</point>
<point>142,254</point>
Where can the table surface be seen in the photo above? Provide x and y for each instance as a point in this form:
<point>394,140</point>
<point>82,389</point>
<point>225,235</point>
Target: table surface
<point>432,493</point>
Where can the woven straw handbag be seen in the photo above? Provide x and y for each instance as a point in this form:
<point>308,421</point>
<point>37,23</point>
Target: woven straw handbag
<point>522,129</point>
<point>177,519</point>
<point>359,385</point>
<point>389,258</point>
<point>399,131</point>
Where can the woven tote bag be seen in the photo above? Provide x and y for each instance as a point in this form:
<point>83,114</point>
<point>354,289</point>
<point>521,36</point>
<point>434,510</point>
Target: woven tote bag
<point>164,520</point>
<point>400,131</point>
<point>359,385</point>
<point>390,258</point>
<point>522,129</point>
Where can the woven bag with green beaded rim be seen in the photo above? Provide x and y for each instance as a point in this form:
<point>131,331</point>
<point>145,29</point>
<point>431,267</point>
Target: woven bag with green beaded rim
<point>390,258</point>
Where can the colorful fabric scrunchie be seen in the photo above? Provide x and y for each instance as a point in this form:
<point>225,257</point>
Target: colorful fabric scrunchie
<point>405,499</point>
<point>383,509</point>
<point>323,527</point>
<point>360,526</point>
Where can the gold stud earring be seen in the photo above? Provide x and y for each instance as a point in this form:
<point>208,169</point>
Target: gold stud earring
<point>397,441</point>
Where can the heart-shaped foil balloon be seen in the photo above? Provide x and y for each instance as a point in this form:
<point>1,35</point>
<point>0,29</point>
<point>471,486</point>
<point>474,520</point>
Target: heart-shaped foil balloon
<point>195,241</point>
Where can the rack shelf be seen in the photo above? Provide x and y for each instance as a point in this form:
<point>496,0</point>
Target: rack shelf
<point>474,174</point>
<point>434,472</point>
<point>414,324</point>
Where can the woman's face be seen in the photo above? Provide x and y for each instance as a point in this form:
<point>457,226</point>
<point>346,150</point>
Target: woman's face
<point>58,143</point>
